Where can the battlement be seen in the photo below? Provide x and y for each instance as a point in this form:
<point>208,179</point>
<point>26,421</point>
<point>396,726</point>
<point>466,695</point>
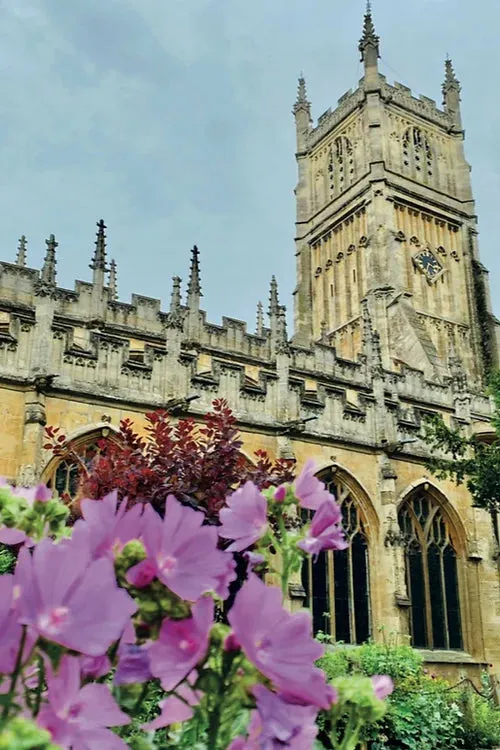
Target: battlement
<point>422,105</point>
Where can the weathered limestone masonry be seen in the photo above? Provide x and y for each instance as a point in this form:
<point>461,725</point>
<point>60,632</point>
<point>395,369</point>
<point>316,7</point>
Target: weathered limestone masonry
<point>392,321</point>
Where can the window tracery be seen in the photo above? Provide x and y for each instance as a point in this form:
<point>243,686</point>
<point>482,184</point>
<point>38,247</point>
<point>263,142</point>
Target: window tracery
<point>341,168</point>
<point>337,584</point>
<point>417,153</point>
<point>65,471</point>
<point>432,574</point>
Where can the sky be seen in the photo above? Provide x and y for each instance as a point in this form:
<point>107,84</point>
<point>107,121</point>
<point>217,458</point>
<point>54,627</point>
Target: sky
<point>171,120</point>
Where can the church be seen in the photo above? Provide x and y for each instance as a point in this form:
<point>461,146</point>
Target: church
<point>392,322</point>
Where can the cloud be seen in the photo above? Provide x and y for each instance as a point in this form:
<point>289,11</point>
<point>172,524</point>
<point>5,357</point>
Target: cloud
<point>171,120</point>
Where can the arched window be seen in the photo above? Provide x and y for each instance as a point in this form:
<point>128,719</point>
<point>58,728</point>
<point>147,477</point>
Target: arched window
<point>432,574</point>
<point>341,164</point>
<point>337,584</point>
<point>417,154</point>
<point>63,473</point>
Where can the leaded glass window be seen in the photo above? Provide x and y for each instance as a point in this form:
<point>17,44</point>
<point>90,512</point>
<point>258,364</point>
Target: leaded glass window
<point>337,583</point>
<point>66,477</point>
<point>432,574</point>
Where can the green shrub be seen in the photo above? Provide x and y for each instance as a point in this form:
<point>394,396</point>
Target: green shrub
<point>398,662</point>
<point>7,560</point>
<point>419,721</point>
<point>423,712</point>
<point>481,721</point>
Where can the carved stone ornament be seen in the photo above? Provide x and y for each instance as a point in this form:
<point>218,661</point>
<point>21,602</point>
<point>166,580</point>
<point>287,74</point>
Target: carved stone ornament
<point>402,601</point>
<point>35,414</point>
<point>296,591</point>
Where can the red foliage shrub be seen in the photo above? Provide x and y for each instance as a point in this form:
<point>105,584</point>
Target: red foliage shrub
<point>200,465</point>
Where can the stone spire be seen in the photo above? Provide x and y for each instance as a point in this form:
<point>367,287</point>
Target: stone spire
<point>113,289</point>
<point>369,42</point>
<point>175,316</point>
<point>302,113</point>
<point>48,273</point>
<point>451,93</point>
<point>301,103</point>
<point>175,299</point>
<point>282,343</point>
<point>451,81</point>
<point>274,302</point>
<point>259,328</point>
<point>21,252</point>
<point>99,258</point>
<point>194,285</point>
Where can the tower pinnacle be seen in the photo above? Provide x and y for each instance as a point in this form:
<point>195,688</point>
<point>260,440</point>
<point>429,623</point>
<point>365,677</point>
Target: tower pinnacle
<point>301,102</point>
<point>369,42</point>
<point>113,290</point>
<point>48,273</point>
<point>259,328</point>
<point>99,258</point>
<point>450,79</point>
<point>194,284</point>
<point>302,113</point>
<point>451,93</point>
<point>21,252</point>
<point>274,305</point>
<point>175,300</point>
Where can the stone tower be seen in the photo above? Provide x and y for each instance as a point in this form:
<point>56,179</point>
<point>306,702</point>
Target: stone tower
<point>385,214</point>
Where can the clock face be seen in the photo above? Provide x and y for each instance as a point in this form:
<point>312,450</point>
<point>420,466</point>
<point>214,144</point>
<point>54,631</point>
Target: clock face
<point>427,262</point>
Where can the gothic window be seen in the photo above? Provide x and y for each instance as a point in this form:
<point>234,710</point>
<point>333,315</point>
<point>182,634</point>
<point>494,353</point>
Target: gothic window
<point>337,584</point>
<point>431,573</point>
<point>417,154</point>
<point>64,477</point>
<point>341,165</point>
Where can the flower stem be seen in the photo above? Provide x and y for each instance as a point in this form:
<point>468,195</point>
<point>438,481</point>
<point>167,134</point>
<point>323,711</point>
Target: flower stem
<point>39,689</point>
<point>214,724</point>
<point>285,563</point>
<point>351,733</point>
<point>15,677</point>
<point>140,699</point>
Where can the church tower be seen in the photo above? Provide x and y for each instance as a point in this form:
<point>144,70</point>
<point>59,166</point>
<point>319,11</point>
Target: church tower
<point>386,219</point>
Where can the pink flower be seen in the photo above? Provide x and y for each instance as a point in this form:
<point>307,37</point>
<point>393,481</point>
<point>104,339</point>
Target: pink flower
<point>280,494</point>
<point>325,531</point>
<point>278,643</point>
<point>70,599</point>
<point>39,494</point>
<point>245,518</point>
<point>79,717</point>
<point>226,578</point>
<point>10,627</point>
<point>231,643</point>
<point>282,722</point>
<point>95,666</point>
<point>308,488</point>
<point>253,559</point>
<point>13,537</point>
<point>239,743</point>
<point>182,644</point>
<point>382,686</point>
<point>108,527</point>
<point>178,707</point>
<point>133,664</point>
<point>181,551</point>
